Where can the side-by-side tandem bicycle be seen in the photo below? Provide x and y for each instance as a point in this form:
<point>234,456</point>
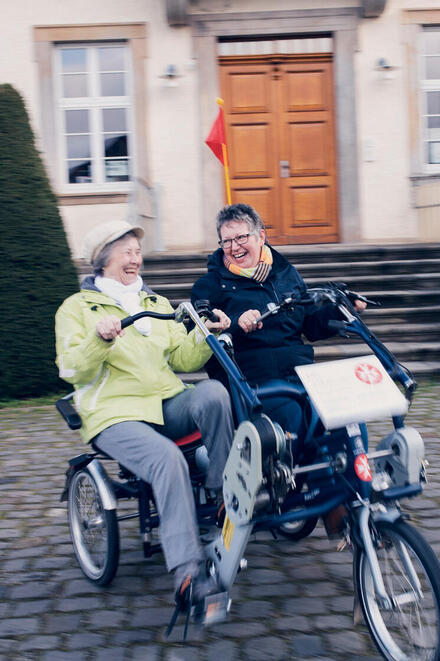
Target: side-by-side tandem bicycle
<point>396,574</point>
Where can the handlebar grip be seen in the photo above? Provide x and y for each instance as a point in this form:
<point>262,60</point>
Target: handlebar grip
<point>69,414</point>
<point>126,321</point>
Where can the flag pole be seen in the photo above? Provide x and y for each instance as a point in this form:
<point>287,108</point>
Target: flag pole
<point>220,102</point>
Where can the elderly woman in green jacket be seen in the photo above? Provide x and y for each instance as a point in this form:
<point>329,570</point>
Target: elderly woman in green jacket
<point>130,400</point>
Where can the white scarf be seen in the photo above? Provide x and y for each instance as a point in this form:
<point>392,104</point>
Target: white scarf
<point>127,296</point>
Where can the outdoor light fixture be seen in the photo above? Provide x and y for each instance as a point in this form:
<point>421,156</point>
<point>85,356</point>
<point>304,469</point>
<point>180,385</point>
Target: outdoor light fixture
<point>170,76</point>
<point>385,68</point>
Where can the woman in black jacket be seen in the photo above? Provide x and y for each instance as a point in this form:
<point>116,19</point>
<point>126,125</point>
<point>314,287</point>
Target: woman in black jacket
<point>244,275</point>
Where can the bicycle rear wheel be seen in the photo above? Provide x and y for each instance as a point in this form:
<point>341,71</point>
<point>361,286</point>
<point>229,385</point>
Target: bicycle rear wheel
<point>410,631</point>
<point>93,529</point>
<point>296,530</point>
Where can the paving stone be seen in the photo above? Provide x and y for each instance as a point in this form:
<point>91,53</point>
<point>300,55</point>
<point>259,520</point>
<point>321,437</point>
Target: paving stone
<point>308,646</point>
<point>23,608</point>
<point>269,647</point>
<point>128,636</point>
<point>185,654</point>
<point>63,623</point>
<point>112,654</point>
<point>151,617</point>
<point>106,619</point>
<point>78,604</point>
<point>352,641</point>
<point>144,653</point>
<point>65,656</point>
<point>223,650</point>
<point>84,640</point>
<point>19,626</point>
<point>32,590</point>
<point>39,643</point>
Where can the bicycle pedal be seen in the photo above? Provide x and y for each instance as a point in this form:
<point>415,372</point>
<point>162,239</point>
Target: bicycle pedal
<point>212,609</point>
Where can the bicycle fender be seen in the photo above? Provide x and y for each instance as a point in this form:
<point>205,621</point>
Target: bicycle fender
<point>103,482</point>
<point>75,464</point>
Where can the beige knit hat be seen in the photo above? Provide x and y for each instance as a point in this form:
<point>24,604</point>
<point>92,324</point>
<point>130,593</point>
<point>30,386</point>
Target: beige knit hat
<point>98,237</point>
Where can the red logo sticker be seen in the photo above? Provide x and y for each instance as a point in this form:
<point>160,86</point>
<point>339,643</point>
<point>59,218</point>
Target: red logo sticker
<point>362,468</point>
<point>368,373</point>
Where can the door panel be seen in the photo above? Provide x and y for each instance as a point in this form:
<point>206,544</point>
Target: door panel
<point>280,135</point>
<point>308,149</point>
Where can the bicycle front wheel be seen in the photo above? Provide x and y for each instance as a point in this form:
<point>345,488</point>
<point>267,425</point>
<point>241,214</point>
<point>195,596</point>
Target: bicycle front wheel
<point>410,631</point>
<point>93,529</point>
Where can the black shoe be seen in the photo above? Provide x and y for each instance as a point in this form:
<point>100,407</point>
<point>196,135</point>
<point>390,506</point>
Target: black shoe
<point>184,602</point>
<point>204,597</point>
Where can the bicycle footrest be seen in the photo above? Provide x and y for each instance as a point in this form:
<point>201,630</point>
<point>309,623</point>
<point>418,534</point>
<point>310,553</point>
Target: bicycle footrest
<point>213,608</point>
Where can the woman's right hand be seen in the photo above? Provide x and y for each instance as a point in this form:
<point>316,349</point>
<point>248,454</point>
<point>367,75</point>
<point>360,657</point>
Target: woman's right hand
<point>248,321</point>
<point>109,327</point>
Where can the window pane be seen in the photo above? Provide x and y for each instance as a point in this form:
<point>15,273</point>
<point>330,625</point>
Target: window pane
<point>433,99</point>
<point>433,152</point>
<point>115,145</point>
<point>77,121</point>
<point>111,59</point>
<point>432,68</point>
<point>431,41</point>
<point>113,84</point>
<point>434,128</point>
<point>117,170</point>
<point>80,172</point>
<point>73,60</point>
<point>78,146</point>
<point>114,119</point>
<point>74,85</point>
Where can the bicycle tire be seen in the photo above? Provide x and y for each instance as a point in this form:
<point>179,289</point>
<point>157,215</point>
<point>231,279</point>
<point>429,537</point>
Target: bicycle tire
<point>297,530</point>
<point>94,530</point>
<point>411,630</point>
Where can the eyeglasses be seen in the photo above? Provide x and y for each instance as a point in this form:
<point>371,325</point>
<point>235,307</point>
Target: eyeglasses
<point>241,239</point>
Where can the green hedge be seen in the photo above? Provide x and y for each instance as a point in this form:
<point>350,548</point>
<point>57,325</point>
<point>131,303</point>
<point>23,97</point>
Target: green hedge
<point>36,270</point>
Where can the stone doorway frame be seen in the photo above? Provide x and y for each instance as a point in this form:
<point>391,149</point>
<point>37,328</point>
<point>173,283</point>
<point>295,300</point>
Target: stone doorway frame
<point>341,24</point>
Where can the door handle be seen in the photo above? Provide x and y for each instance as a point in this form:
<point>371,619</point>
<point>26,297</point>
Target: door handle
<point>284,169</point>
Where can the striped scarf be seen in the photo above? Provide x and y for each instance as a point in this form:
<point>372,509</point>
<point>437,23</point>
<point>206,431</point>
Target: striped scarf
<point>258,272</point>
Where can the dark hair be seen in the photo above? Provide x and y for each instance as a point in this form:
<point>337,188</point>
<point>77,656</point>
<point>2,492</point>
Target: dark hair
<point>102,258</point>
<point>239,213</point>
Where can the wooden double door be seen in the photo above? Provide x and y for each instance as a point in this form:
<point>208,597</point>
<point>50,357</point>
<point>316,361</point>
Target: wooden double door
<point>279,116</point>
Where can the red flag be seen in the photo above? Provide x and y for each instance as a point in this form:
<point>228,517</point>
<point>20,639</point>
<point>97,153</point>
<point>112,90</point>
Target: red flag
<point>216,139</point>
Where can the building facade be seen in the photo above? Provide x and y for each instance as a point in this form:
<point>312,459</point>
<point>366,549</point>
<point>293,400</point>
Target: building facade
<point>332,113</point>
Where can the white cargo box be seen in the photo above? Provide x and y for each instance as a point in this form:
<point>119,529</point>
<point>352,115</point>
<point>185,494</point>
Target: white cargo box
<point>352,390</point>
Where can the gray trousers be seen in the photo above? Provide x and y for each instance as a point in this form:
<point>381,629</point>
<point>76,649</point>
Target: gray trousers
<point>147,451</point>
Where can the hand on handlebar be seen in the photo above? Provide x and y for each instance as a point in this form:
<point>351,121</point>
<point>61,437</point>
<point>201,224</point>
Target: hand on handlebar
<point>248,321</point>
<point>359,305</point>
<point>223,322</point>
<point>109,327</point>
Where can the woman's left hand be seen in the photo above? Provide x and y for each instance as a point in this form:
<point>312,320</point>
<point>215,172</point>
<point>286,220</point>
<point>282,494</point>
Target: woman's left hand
<point>222,324</point>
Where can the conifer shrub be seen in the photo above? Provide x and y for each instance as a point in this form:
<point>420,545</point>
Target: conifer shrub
<point>36,270</point>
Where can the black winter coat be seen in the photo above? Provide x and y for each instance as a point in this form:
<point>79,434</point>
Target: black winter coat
<point>274,350</point>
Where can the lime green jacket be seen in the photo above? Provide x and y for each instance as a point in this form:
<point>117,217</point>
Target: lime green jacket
<point>127,378</point>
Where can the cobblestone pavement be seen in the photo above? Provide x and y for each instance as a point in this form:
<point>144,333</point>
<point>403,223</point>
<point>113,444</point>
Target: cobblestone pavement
<point>293,602</point>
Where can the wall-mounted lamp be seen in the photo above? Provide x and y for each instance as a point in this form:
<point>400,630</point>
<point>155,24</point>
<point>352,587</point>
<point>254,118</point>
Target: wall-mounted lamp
<point>170,76</point>
<point>385,68</point>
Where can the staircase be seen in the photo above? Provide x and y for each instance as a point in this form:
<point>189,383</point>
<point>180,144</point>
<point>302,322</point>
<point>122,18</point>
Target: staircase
<point>405,279</point>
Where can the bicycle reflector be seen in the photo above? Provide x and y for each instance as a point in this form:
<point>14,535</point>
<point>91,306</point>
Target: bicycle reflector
<point>362,468</point>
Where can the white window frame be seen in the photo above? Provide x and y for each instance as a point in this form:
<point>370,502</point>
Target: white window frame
<point>425,85</point>
<point>94,103</point>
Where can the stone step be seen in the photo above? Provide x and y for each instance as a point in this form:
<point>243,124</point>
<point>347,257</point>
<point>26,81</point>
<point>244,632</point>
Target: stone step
<point>313,254</point>
<point>401,315</point>
<point>420,369</point>
<point>390,299</point>
<point>406,271</point>
<point>415,351</point>
<point>421,332</point>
